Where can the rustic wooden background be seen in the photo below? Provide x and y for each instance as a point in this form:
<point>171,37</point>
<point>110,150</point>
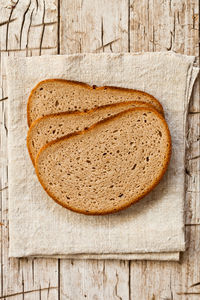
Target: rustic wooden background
<point>38,27</point>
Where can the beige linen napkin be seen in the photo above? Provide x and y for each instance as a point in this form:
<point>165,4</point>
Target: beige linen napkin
<point>151,229</point>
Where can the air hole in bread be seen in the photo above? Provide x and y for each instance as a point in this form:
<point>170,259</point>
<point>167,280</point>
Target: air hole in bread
<point>133,168</point>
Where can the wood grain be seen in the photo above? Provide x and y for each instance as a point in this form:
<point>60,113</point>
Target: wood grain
<point>37,27</point>
<point>172,25</point>
<point>23,278</point>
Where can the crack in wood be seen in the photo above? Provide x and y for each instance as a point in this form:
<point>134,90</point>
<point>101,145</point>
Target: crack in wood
<point>22,25</point>
<point>115,289</point>
<point>27,292</point>
<point>40,293</point>
<point>148,17</point>
<point>178,17</point>
<point>22,285</point>
<point>9,19</point>
<point>170,6</point>
<point>80,47</point>
<point>174,28</point>
<point>193,19</point>
<point>5,188</point>
<point>129,24</point>
<point>37,5</point>
<point>58,28</point>
<point>188,172</point>
<point>4,124</point>
<point>106,45</point>
<point>59,284</point>
<point>193,112</point>
<point>192,224</point>
<point>33,271</point>
<point>170,45</point>
<point>195,284</point>
<point>18,265</point>
<point>48,291</point>
<point>104,273</point>
<point>3,99</point>
<point>46,24</point>
<point>170,287</point>
<point>102,34</point>
<point>188,293</point>
<point>129,279</point>
<point>195,157</point>
<point>21,50</point>
<point>28,32</point>
<point>43,28</point>
<point>6,129</point>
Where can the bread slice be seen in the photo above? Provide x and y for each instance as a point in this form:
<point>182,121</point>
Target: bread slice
<point>57,95</point>
<point>109,166</point>
<point>52,127</point>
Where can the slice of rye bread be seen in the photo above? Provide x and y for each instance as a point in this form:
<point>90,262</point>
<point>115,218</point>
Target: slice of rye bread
<point>57,95</point>
<point>52,127</point>
<point>109,166</point>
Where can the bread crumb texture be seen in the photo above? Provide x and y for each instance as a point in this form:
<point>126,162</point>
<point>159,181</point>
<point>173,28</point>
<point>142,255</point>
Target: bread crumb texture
<point>52,127</point>
<point>109,166</point>
<point>56,95</point>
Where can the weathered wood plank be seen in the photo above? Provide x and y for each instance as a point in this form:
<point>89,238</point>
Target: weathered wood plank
<point>94,26</point>
<point>23,32</point>
<point>93,279</point>
<point>164,26</point>
<point>168,280</point>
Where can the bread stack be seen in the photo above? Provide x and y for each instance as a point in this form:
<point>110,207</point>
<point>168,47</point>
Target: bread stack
<point>96,150</point>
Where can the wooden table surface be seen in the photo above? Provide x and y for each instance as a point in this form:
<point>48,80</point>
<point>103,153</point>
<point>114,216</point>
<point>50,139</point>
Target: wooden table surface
<point>38,27</point>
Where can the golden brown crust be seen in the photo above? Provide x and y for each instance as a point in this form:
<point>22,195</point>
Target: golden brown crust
<point>107,120</point>
<point>85,85</point>
<point>80,113</point>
